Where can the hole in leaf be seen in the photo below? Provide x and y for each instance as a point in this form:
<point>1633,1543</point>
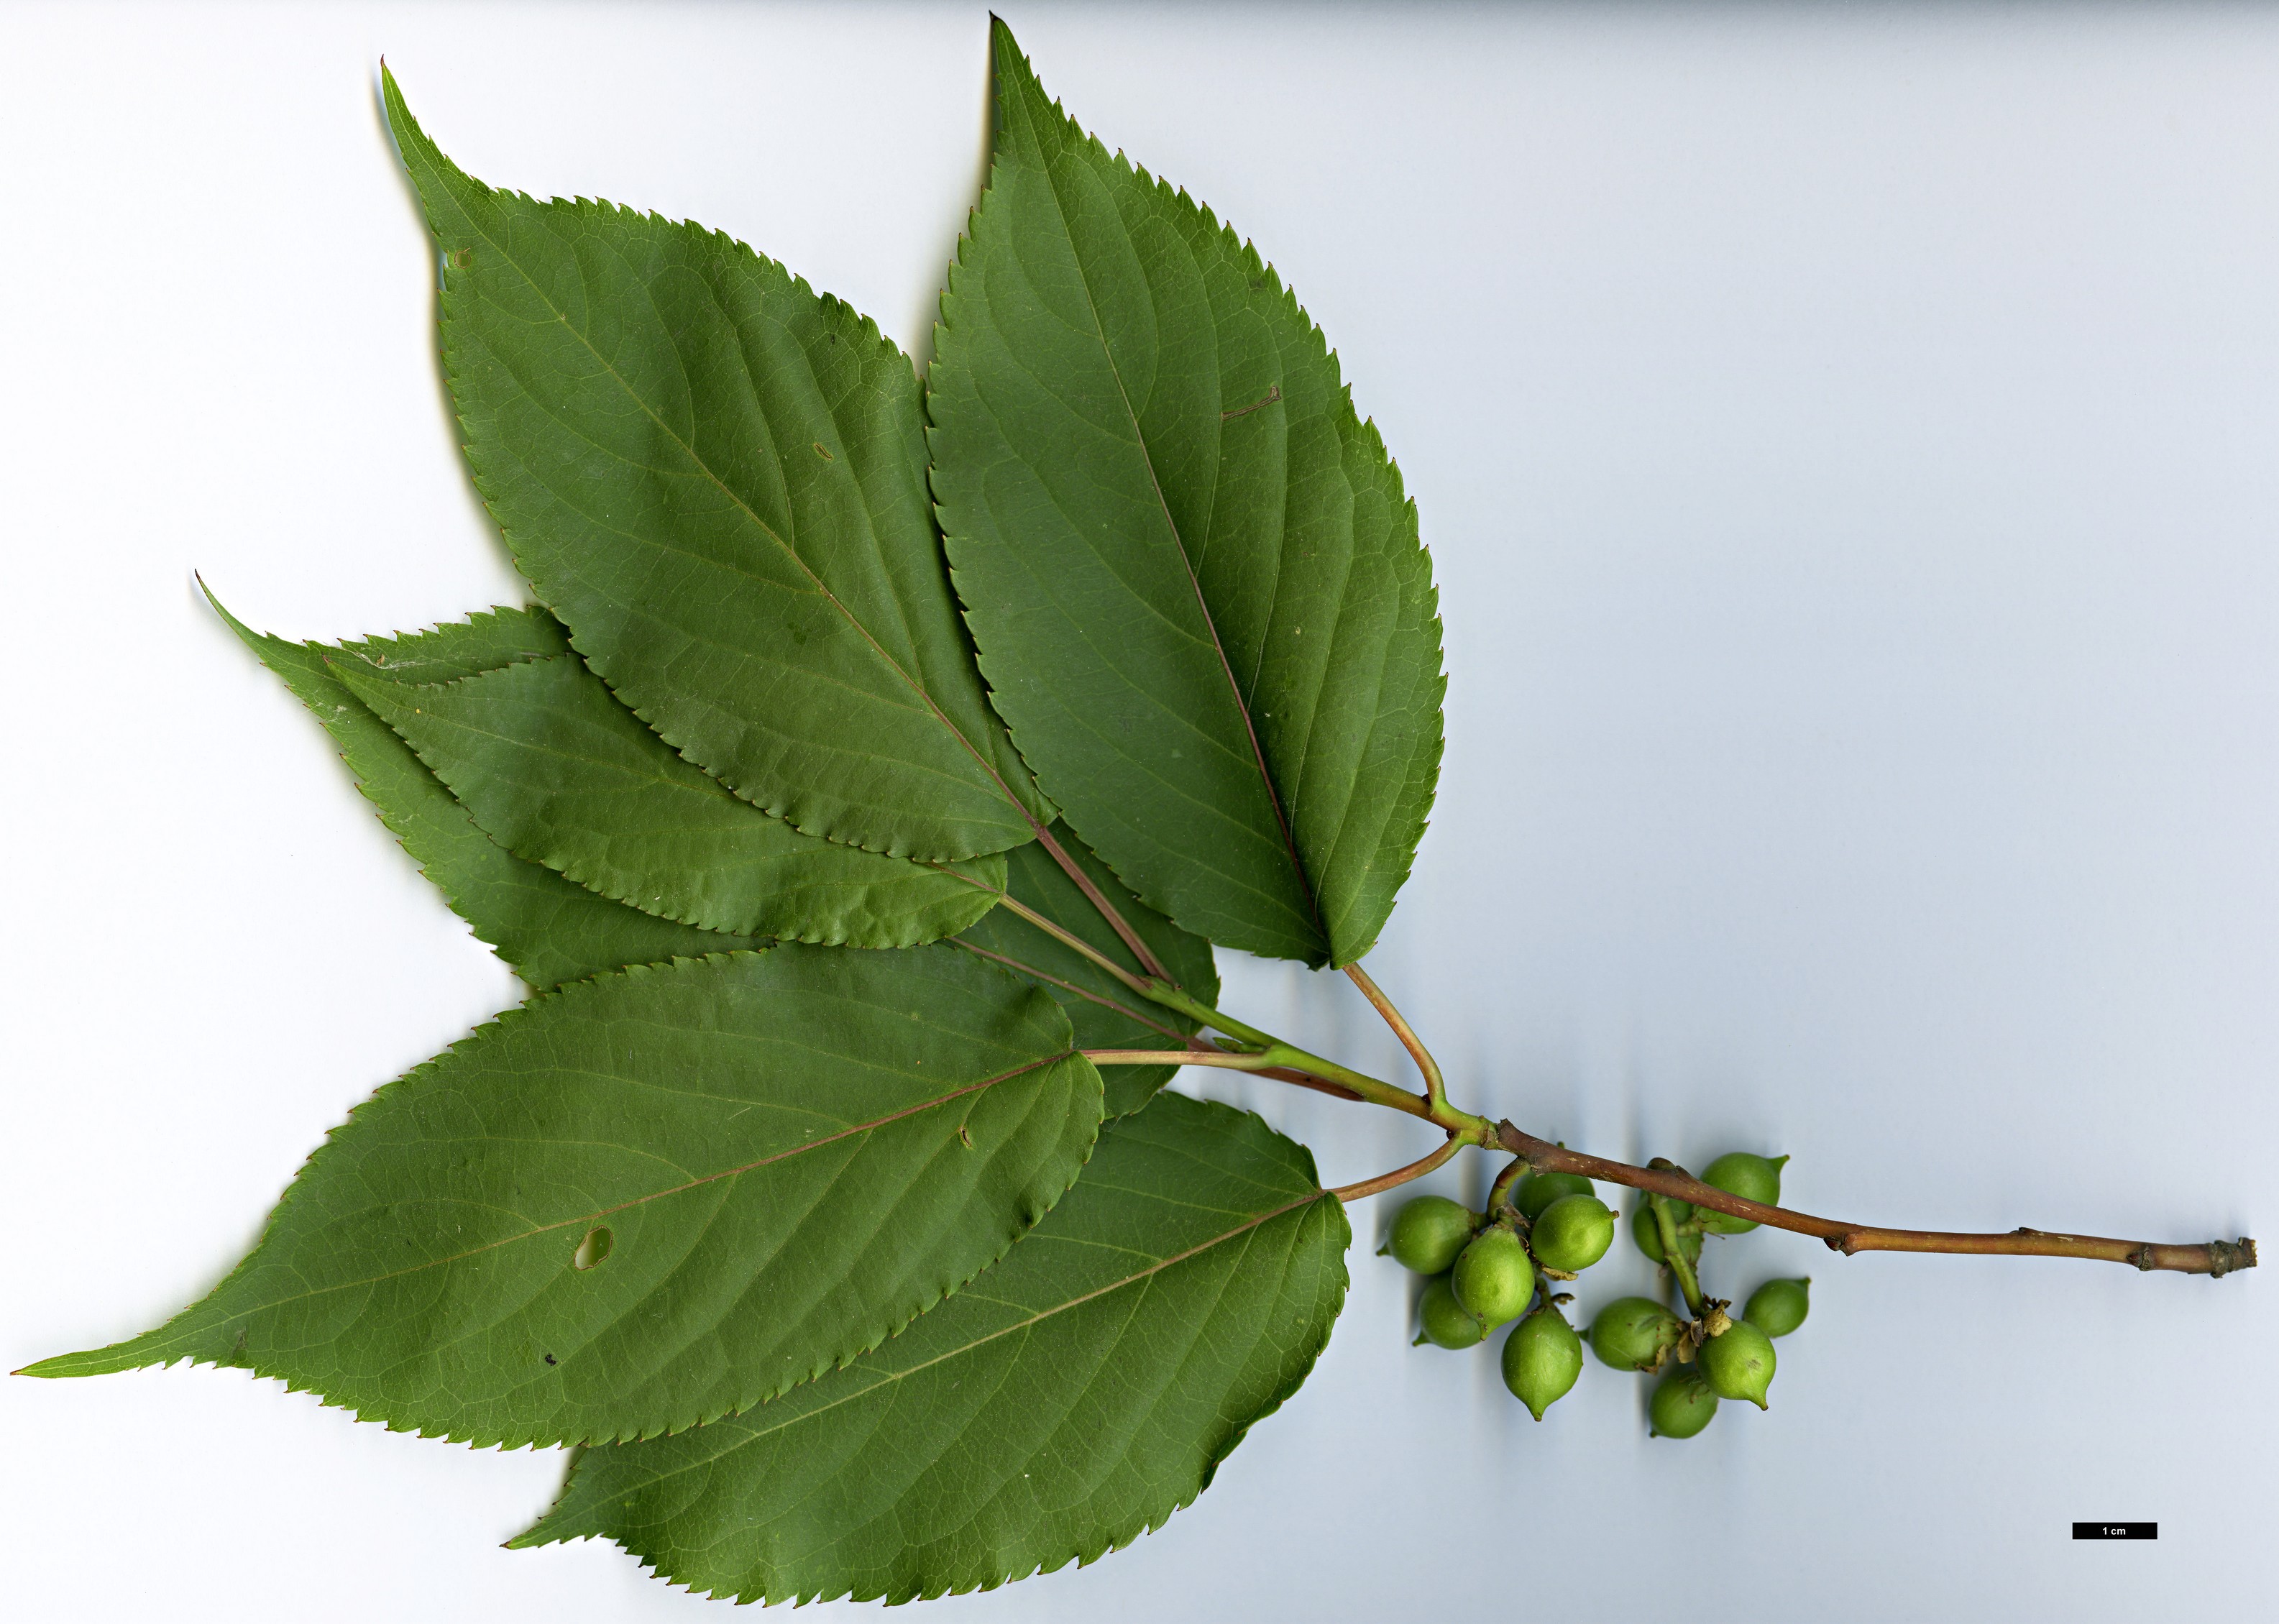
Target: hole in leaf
<point>462,257</point>
<point>593,1249</point>
<point>825,454</point>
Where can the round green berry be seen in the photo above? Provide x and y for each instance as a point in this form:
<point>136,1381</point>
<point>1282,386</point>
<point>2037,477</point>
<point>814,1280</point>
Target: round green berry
<point>1634,1333</point>
<point>1538,1190</point>
<point>1648,1234</point>
<point>1778,1306</point>
<point>1494,1277</point>
<point>1541,1360</point>
<point>1429,1232</point>
<point>1739,1363</point>
<point>1572,1233</point>
<point>1444,1321</point>
<point>1754,1178</point>
<point>1682,1405</point>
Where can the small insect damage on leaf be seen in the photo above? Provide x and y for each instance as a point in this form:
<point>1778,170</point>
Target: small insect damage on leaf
<point>821,452</point>
<point>1272,394</point>
<point>593,1249</point>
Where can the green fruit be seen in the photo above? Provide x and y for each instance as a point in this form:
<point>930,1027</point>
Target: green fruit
<point>1541,1360</point>
<point>1572,1233</point>
<point>1778,1306</point>
<point>1648,1237</point>
<point>1754,1178</point>
<point>1538,1190</point>
<point>1634,1333</point>
<point>1739,1363</point>
<point>1445,1321</point>
<point>1428,1234</point>
<point>1494,1277</point>
<point>1682,1406</point>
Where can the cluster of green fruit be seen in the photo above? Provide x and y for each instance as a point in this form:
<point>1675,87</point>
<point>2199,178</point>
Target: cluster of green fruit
<point>1485,1268</point>
<point>1489,1269</point>
<point>1707,1359</point>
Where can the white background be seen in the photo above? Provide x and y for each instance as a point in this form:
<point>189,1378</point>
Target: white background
<point>1845,437</point>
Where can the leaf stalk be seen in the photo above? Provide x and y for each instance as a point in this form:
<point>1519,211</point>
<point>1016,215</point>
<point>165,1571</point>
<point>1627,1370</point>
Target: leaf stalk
<point>1399,1177</point>
<point>1279,1053</point>
<point>1436,1090</point>
<point>1074,943</point>
<point>1106,909</point>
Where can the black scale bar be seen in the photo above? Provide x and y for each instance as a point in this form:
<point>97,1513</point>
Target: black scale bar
<point>2116,1531</point>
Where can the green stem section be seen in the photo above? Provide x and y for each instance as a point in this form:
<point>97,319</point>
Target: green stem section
<point>1275,1052</point>
<point>1263,1051</point>
<point>1276,1058</point>
<point>1672,1256</point>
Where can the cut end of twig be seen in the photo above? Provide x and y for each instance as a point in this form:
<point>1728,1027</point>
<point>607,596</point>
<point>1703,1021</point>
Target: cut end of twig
<point>2225,1256</point>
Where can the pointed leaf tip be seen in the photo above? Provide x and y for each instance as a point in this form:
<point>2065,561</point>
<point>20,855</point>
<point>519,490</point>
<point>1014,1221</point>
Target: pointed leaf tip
<point>457,1197</point>
<point>1233,689</point>
<point>809,653</point>
<point>549,928</point>
<point>246,634</point>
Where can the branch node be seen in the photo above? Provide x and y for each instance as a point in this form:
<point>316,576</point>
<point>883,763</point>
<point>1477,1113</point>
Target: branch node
<point>2225,1256</point>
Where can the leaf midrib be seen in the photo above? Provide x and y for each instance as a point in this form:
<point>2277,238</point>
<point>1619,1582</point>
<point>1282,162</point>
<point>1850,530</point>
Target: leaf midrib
<point>1202,605</point>
<point>658,1195</point>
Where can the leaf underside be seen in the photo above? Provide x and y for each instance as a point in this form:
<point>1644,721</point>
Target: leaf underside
<point>1063,1403</point>
<point>553,768</point>
<point>548,929</point>
<point>1189,564</point>
<point>1105,1013</point>
<point>715,478</point>
<point>792,1154</point>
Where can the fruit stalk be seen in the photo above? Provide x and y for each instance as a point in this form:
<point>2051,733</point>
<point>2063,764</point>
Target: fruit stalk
<point>1500,1192</point>
<point>1673,1255</point>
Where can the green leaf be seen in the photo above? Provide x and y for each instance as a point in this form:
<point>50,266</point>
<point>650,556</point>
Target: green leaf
<point>549,929</point>
<point>1190,566</point>
<point>766,1163</point>
<point>716,477</point>
<point>1071,1399</point>
<point>556,770</point>
<point>1105,1013</point>
<point>482,642</point>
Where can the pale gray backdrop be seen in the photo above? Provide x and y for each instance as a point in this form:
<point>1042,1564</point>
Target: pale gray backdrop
<point>1845,437</point>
